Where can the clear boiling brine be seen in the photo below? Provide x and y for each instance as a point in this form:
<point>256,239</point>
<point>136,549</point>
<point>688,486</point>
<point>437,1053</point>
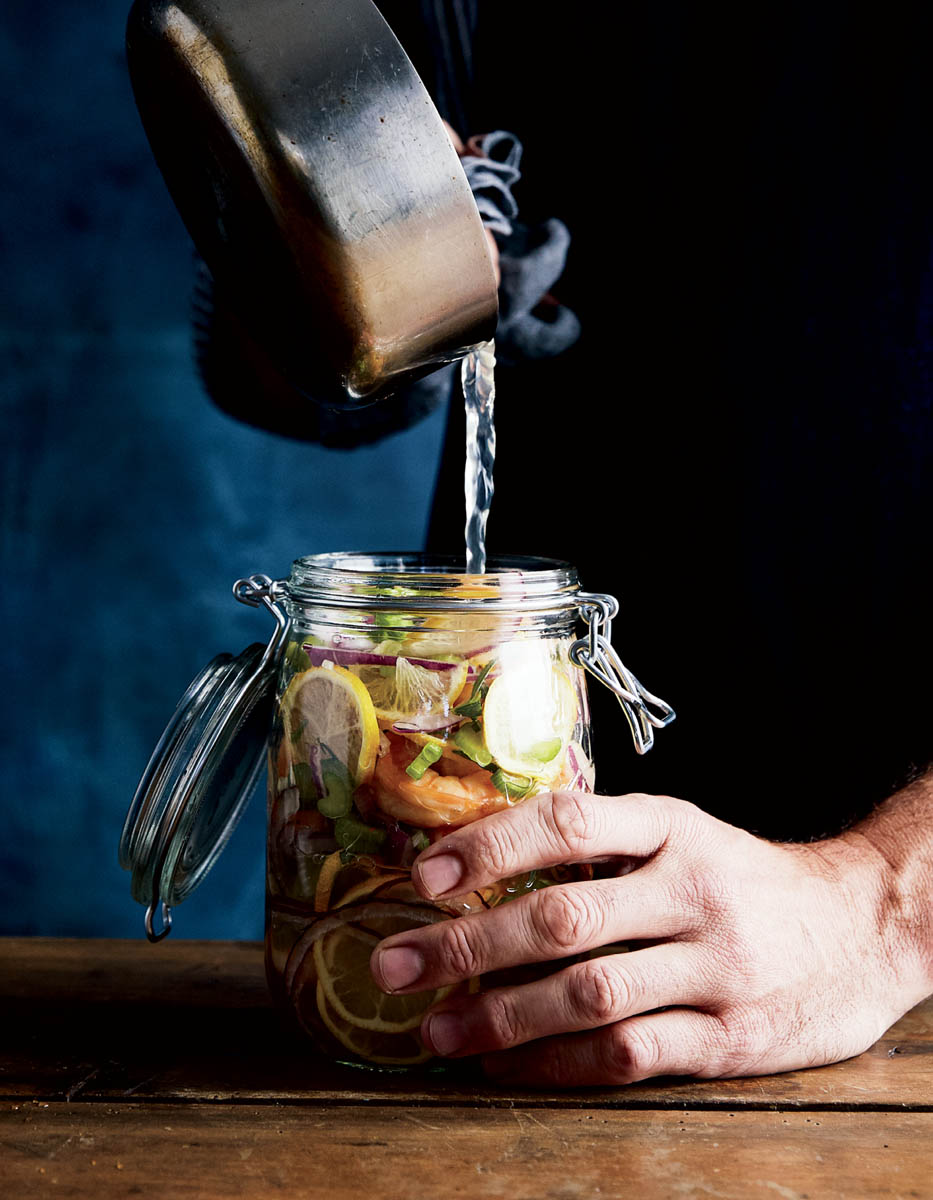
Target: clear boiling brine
<point>479,399</point>
<point>412,700</point>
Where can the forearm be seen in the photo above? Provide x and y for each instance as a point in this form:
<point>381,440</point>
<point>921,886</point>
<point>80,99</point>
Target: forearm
<point>896,841</point>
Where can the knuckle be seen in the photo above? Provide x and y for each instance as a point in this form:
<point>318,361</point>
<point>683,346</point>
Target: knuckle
<point>495,849</point>
<point>563,920</point>
<point>734,1042</point>
<point>690,832</point>
<point>572,818</point>
<point>748,1038</point>
<point>631,1052</point>
<point>598,995</point>
<point>504,1026</point>
<point>458,954</point>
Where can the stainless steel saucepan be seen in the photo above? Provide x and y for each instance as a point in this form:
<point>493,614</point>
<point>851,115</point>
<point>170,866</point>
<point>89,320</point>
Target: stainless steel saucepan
<point>319,184</point>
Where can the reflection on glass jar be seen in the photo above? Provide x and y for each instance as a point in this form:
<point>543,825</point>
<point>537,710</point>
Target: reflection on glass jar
<point>411,700</point>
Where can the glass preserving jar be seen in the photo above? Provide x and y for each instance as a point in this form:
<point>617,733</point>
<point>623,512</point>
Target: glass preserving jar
<point>402,699</point>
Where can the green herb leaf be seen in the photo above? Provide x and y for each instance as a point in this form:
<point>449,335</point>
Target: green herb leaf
<point>420,840</point>
<point>480,679</point>
<point>304,779</point>
<point>474,706</point>
<point>353,835</point>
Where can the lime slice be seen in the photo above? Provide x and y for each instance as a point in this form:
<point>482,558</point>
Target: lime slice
<point>328,708</point>
<point>406,690</point>
<point>529,718</point>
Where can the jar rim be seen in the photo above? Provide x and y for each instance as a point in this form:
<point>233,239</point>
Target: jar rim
<point>432,582</point>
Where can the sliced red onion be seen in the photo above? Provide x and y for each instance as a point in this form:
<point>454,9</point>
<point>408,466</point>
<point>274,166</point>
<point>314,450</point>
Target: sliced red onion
<point>396,844</point>
<point>579,782</point>
<point>365,658</point>
<point>429,723</point>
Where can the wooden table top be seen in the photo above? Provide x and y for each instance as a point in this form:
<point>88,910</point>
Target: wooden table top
<point>130,1069</point>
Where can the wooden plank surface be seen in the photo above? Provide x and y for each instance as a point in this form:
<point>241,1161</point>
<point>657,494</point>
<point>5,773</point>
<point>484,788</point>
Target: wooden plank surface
<point>218,1151</point>
<point>192,1021</point>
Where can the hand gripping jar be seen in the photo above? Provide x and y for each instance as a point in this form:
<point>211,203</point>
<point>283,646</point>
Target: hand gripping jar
<point>398,699</point>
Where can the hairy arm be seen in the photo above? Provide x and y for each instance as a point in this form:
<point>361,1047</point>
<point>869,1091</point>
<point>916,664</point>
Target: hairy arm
<point>897,839</point>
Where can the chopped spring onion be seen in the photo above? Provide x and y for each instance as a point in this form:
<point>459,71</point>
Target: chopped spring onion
<point>472,743</point>
<point>338,795</point>
<point>516,787</point>
<point>417,767</point>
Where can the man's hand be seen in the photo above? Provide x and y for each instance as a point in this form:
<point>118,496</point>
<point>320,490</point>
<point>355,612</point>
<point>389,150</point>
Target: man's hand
<point>750,957</point>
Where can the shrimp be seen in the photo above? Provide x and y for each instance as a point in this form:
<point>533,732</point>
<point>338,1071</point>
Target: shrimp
<point>434,799</point>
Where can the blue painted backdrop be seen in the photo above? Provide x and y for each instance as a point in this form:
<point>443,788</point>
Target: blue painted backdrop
<point>129,503</point>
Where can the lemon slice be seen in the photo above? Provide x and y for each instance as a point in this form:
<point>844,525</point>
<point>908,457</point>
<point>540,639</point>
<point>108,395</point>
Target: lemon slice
<point>408,690</point>
<point>330,868</point>
<point>389,886</point>
<point>399,1049</point>
<point>462,635</point>
<point>328,981</point>
<point>329,707</point>
<point>529,718</point>
<point>342,961</point>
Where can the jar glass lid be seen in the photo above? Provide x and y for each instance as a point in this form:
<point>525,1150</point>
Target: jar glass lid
<point>199,778</point>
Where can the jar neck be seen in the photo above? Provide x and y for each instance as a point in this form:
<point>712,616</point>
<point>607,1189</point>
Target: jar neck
<point>422,583</point>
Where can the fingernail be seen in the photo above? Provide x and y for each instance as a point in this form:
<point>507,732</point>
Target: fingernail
<point>445,1033</point>
<point>399,966</point>
<point>441,873</point>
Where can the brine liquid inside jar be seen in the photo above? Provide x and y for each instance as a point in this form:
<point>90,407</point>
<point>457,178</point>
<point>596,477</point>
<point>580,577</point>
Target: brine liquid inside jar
<point>412,699</point>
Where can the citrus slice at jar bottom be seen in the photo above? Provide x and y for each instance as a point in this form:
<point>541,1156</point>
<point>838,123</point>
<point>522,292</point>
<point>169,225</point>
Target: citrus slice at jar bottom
<point>342,961</point>
<point>329,707</point>
<point>399,1049</point>
<point>329,983</point>
<point>394,886</point>
<point>409,690</point>
<point>529,717</point>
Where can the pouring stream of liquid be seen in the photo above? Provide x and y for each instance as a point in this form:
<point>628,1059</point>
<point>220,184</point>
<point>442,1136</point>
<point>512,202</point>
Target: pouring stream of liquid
<point>479,397</point>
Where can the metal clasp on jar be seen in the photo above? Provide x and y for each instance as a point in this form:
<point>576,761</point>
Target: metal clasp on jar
<point>594,653</point>
<point>260,590</point>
